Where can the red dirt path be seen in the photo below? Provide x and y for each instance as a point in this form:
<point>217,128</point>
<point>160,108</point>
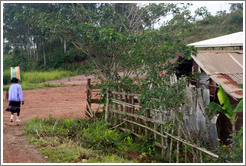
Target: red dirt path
<point>60,102</point>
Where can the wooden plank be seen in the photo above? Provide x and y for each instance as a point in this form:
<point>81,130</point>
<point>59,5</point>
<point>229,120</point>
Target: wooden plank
<point>125,103</point>
<point>132,111</point>
<point>96,87</point>
<point>145,127</point>
<point>179,139</point>
<point>96,101</point>
<point>139,117</point>
<point>116,121</point>
<point>124,129</point>
<point>160,145</point>
<point>122,93</point>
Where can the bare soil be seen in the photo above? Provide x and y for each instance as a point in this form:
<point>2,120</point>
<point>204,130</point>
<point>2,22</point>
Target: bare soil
<point>61,102</point>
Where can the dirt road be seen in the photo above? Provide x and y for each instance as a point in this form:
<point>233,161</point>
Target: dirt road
<point>60,102</point>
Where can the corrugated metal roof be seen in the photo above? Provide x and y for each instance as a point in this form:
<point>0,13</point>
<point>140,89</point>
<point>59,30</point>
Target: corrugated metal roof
<point>234,39</point>
<point>220,62</point>
<point>229,85</point>
<point>238,78</point>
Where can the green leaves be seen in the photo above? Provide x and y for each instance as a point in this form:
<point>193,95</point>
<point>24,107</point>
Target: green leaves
<point>224,101</point>
<point>239,107</point>
<point>226,108</point>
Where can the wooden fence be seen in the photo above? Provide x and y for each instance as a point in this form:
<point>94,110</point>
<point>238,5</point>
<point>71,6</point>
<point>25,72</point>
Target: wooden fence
<point>173,137</point>
<point>92,92</point>
<point>124,111</point>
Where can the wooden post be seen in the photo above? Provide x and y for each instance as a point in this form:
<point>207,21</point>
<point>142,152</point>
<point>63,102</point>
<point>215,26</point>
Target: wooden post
<point>89,91</point>
<point>155,125</point>
<point>116,120</point>
<point>126,110</point>
<point>171,144</point>
<point>132,111</point>
<point>185,153</point>
<point>107,106</point>
<point>162,140</point>
<point>147,115</point>
<point>177,157</point>
<point>121,99</point>
<point>88,95</point>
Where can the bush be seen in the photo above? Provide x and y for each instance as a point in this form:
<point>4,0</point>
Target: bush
<point>6,77</point>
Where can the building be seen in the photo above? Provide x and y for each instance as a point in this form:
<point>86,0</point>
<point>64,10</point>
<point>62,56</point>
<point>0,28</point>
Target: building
<point>220,62</point>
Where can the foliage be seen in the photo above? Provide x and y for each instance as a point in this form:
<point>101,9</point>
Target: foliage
<point>191,27</point>
<point>64,140</point>
<point>226,108</point>
<point>34,80</point>
<point>233,152</point>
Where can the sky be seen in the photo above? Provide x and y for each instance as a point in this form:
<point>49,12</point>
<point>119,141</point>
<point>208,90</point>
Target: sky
<point>212,6</point>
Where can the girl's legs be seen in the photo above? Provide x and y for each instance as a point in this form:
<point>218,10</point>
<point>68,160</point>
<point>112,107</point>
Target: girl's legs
<point>18,116</point>
<point>11,117</point>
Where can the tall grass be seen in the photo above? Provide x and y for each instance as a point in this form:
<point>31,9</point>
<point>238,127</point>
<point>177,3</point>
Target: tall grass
<point>35,80</point>
<point>39,77</point>
<point>36,77</point>
<point>71,141</point>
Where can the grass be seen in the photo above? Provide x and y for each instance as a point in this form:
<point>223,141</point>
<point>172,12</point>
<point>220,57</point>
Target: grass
<point>35,80</point>
<point>71,141</point>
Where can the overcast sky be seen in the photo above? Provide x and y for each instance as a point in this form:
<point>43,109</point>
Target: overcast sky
<point>212,7</point>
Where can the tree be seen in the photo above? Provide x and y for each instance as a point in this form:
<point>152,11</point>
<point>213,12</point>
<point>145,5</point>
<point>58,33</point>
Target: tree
<point>236,6</point>
<point>100,30</point>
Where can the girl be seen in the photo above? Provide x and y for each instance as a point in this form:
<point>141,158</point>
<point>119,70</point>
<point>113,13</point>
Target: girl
<point>15,97</point>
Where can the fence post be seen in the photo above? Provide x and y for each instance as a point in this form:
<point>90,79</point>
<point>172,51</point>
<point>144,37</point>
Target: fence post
<point>147,115</point>
<point>131,100</point>
<point>89,91</point>
<point>116,109</point>
<point>107,105</point>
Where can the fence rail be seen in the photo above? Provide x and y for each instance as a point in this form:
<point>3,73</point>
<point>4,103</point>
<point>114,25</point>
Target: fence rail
<point>124,111</point>
<point>153,121</point>
<point>91,89</point>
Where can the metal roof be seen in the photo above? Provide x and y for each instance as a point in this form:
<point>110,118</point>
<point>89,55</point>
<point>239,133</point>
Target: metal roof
<point>234,39</point>
<point>220,62</point>
<point>229,85</point>
<point>224,67</point>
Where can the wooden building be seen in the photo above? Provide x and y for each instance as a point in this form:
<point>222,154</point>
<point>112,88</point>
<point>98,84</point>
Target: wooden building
<point>219,61</point>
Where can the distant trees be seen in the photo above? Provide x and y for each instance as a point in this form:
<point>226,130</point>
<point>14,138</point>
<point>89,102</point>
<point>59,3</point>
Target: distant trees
<point>43,34</point>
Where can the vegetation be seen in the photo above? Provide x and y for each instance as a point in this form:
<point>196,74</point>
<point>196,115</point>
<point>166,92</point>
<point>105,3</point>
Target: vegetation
<point>226,108</point>
<point>64,140</point>
<point>111,38</point>
<point>34,80</point>
<point>204,25</point>
<point>234,151</point>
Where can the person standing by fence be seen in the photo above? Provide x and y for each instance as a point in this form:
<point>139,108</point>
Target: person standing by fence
<point>15,98</point>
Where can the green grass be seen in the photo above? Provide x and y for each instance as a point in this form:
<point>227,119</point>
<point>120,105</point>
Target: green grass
<point>71,141</point>
<point>35,80</point>
<point>26,86</point>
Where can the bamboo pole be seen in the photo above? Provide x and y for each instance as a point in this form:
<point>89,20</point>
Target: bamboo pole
<point>155,125</point>
<point>177,156</point>
<point>145,127</point>
<point>185,153</point>
<point>121,99</point>
<point>162,140</point>
<point>115,108</point>
<point>171,145</point>
<point>132,111</point>
<point>178,139</point>
<point>107,106</point>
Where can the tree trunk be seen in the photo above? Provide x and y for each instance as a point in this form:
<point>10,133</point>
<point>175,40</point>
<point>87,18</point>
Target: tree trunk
<point>52,52</point>
<point>65,45</point>
<point>44,55</point>
<point>37,47</point>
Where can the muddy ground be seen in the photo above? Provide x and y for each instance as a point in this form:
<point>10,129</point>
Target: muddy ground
<point>61,102</point>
